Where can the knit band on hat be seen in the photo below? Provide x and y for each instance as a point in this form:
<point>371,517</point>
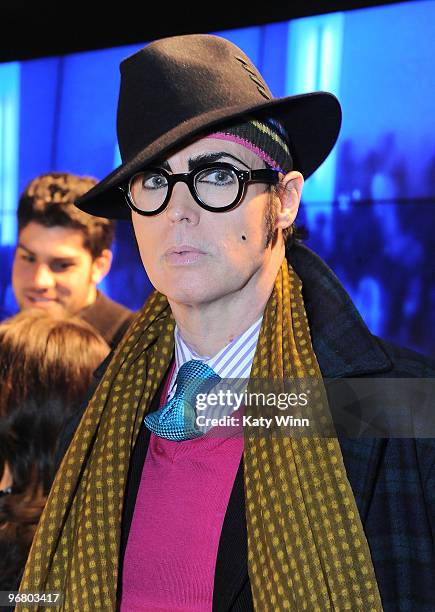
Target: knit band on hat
<point>267,139</point>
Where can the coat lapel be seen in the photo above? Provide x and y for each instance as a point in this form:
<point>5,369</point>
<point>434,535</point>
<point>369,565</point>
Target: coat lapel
<point>344,348</point>
<point>232,564</point>
<point>362,458</point>
<point>133,483</point>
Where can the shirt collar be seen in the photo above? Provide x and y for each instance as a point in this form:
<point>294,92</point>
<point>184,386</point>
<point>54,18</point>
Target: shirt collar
<point>233,361</point>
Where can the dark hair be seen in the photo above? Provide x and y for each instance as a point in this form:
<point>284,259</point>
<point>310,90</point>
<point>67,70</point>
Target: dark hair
<point>46,367</point>
<point>49,200</point>
<point>20,515</point>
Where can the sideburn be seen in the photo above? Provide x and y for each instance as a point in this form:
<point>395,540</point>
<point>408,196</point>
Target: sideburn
<point>270,219</point>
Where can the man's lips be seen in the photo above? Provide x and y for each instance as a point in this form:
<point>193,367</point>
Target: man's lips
<point>183,248</point>
<point>183,254</point>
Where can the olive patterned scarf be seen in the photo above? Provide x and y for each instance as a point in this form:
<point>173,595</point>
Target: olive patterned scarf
<point>306,545</point>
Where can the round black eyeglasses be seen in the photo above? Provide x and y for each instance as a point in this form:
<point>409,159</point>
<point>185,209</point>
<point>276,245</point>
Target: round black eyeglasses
<point>216,187</point>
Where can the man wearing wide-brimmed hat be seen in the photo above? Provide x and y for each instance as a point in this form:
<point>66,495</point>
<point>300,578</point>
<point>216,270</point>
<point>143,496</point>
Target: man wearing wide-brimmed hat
<point>148,510</point>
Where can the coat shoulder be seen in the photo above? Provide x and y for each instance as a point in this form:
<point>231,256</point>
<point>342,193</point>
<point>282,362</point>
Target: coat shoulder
<point>407,363</point>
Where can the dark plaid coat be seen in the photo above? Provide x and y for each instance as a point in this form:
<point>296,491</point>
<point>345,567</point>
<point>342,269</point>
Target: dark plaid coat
<point>393,480</point>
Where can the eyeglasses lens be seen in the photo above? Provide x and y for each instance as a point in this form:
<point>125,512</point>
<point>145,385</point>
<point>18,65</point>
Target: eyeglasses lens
<point>148,190</point>
<point>217,187</point>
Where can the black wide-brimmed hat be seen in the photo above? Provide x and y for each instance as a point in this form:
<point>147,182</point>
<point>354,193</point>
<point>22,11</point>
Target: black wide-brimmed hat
<point>177,88</point>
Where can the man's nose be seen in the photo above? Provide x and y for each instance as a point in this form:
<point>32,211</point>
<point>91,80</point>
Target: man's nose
<point>182,206</point>
<point>44,277</point>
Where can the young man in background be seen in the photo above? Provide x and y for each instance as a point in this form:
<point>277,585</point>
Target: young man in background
<point>63,253</point>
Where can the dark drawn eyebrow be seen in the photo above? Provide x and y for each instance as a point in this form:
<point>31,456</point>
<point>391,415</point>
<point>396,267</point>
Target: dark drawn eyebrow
<point>205,158</point>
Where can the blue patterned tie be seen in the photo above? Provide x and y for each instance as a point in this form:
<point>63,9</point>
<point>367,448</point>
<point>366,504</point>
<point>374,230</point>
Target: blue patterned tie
<point>176,419</point>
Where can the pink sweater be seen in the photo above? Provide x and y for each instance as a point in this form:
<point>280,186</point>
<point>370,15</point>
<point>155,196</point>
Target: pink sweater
<point>180,508</point>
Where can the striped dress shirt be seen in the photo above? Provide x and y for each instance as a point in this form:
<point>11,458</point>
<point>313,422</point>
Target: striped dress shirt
<point>232,363</point>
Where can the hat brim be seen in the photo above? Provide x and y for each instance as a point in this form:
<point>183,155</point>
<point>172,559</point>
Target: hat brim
<point>312,121</point>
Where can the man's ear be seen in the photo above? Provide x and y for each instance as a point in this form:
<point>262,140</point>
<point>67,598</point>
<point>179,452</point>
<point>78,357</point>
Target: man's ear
<point>289,193</point>
<point>101,265</point>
